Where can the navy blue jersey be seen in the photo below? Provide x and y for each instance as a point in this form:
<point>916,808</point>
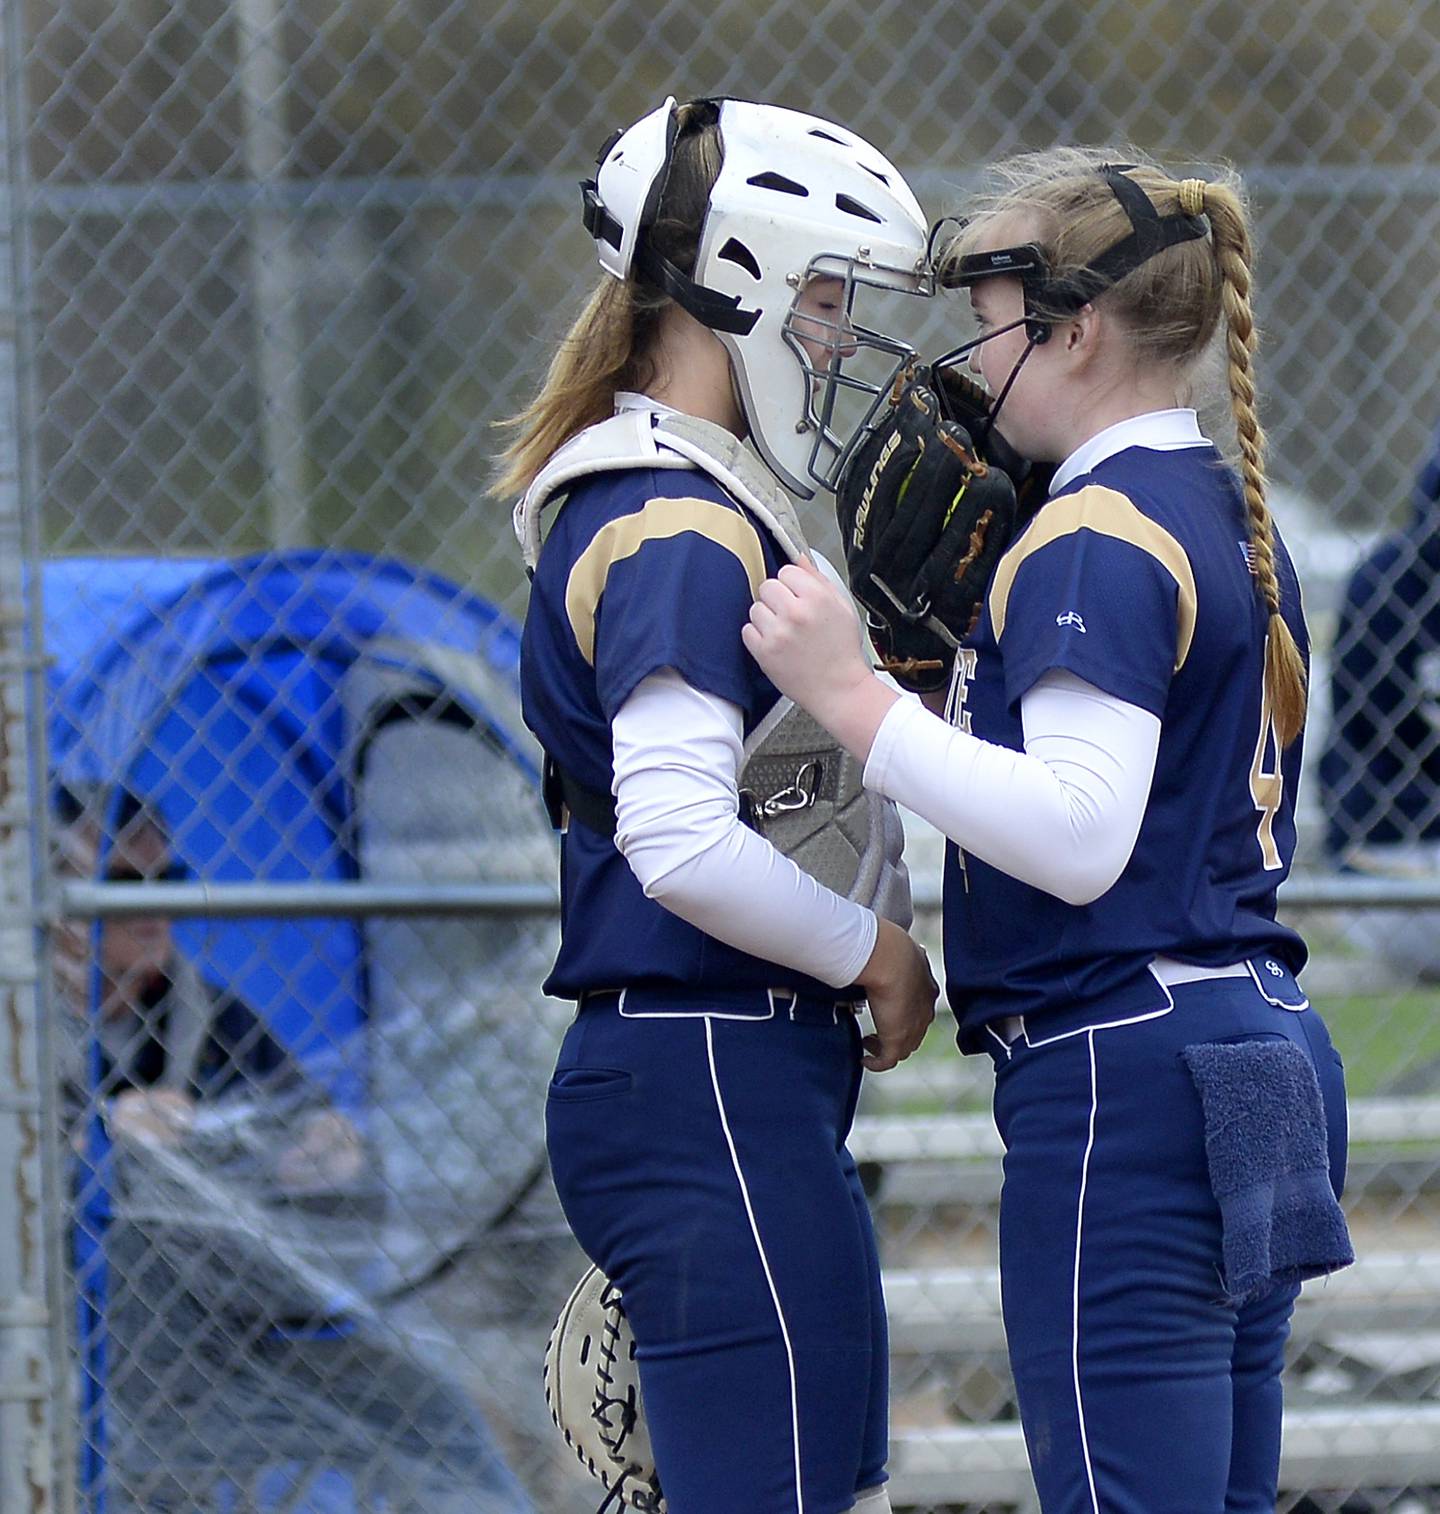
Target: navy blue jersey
<point>1135,578</point>
<point>643,569</point>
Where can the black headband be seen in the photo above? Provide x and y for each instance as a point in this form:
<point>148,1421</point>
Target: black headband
<point>1150,233</point>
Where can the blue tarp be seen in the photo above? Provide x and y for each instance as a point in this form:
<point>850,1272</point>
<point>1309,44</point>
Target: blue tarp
<point>211,690</point>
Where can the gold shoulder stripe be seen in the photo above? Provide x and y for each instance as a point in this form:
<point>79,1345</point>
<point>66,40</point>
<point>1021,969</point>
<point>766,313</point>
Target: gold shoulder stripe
<point>1107,513</point>
<point>658,520</point>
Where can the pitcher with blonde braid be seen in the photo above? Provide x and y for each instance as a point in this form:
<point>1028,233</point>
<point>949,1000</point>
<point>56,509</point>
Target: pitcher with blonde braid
<point>1115,770</point>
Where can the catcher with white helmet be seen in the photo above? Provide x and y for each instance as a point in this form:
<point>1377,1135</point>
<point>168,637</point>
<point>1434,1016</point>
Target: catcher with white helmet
<point>726,882</point>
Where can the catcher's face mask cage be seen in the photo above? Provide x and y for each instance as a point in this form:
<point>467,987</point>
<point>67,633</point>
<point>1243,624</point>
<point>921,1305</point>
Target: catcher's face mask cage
<point>848,366</point>
<point>1050,297</point>
<point>797,199</point>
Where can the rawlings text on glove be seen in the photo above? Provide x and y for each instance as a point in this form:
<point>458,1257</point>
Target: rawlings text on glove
<point>924,519</point>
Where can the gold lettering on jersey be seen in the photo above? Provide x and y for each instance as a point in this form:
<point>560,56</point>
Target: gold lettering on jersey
<point>1107,513</point>
<point>955,712</point>
<point>1267,783</point>
<point>657,520</point>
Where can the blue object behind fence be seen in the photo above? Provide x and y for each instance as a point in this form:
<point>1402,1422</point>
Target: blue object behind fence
<point>212,691</point>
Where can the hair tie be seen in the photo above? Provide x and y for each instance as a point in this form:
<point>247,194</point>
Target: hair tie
<point>1192,196</point>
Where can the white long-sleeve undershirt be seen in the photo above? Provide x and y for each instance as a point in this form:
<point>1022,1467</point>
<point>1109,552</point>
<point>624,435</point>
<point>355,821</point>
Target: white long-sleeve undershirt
<point>1062,815</point>
<point>677,757</point>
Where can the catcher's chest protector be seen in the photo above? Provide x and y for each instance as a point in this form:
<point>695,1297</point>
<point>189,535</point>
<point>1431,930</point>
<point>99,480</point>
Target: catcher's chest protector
<point>803,792</point>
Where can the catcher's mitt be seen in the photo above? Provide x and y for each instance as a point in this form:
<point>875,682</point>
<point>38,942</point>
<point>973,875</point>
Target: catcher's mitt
<point>924,517</point>
<point>592,1388</point>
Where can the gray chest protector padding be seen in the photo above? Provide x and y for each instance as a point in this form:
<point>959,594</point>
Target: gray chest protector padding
<point>803,791</point>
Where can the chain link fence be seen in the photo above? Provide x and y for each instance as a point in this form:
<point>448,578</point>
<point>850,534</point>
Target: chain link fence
<point>273,269</point>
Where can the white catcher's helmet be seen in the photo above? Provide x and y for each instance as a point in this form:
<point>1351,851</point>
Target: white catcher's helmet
<point>796,198</point>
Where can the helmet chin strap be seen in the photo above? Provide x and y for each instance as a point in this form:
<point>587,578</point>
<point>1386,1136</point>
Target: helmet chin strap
<point>1031,343</point>
<point>1035,335</point>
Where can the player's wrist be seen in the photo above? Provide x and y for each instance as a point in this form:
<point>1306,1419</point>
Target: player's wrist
<point>889,958</point>
<point>853,709</point>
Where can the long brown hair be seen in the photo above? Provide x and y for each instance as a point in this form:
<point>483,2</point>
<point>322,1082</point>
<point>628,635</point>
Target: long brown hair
<point>610,344</point>
<point>1171,307</point>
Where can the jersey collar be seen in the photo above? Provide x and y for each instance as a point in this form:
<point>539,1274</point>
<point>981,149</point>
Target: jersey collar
<point>626,399</point>
<point>1157,430</point>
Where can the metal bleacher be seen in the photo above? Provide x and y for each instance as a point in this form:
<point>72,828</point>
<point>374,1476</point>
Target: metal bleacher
<point>945,1319</point>
<point>1324,1447</point>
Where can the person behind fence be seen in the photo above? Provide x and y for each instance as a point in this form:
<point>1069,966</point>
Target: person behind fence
<point>697,1115</point>
<point>165,1038</point>
<point>242,1364</point>
<point>1380,770</point>
<point>1115,770</point>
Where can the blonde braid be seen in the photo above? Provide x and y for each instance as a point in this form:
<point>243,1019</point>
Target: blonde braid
<point>1284,667</point>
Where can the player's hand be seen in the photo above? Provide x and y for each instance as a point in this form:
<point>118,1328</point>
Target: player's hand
<point>902,992</point>
<point>803,633</point>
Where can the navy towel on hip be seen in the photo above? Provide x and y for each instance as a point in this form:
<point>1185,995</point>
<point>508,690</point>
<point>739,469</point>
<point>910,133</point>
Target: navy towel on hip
<point>1265,1144</point>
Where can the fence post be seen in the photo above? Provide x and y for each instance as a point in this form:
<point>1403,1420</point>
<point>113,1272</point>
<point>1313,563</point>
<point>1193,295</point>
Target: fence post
<point>28,1376</point>
<point>263,76</point>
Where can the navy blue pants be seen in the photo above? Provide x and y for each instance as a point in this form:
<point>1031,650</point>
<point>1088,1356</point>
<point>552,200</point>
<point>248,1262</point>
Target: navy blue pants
<point>699,1152</point>
<point>1139,1389</point>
